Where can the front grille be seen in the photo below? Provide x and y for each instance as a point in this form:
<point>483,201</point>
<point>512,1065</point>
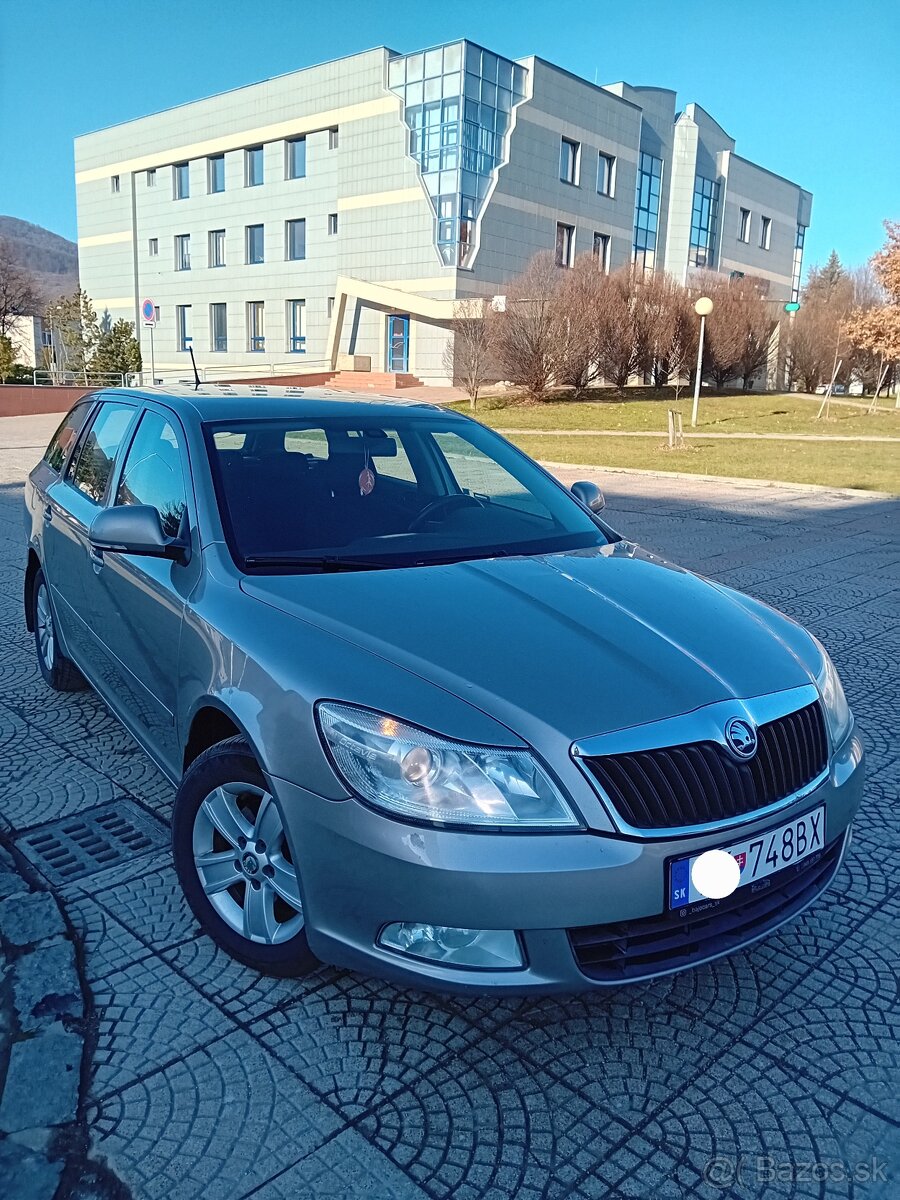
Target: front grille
<point>669,942</point>
<point>701,782</point>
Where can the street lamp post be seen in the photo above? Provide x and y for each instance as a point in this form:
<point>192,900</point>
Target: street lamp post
<point>702,308</point>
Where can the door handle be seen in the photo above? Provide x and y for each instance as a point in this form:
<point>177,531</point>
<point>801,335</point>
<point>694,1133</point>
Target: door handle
<point>48,514</point>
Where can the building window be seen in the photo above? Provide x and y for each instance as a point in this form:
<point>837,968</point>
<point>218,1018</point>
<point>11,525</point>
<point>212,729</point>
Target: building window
<point>183,325</point>
<point>765,233</point>
<point>606,174</point>
<point>744,227</point>
<point>798,263</point>
<point>601,252</point>
<point>182,180</point>
<point>255,244</point>
<point>565,245</point>
<point>217,247</point>
<point>295,240</point>
<point>569,161</point>
<point>333,138</point>
<point>115,183</point>
<point>153,247</point>
<point>256,329</point>
<point>215,173</point>
<point>704,221</point>
<point>296,323</point>
<point>182,252</point>
<point>332,223</point>
<point>253,166</point>
<point>329,307</point>
<point>151,177</point>
<point>646,211</point>
<point>295,166</point>
<point>218,327</point>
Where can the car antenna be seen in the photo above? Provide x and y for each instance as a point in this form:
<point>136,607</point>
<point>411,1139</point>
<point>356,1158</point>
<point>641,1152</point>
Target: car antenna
<point>194,365</point>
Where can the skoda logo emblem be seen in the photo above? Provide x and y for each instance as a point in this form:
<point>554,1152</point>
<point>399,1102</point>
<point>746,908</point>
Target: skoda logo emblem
<point>740,738</point>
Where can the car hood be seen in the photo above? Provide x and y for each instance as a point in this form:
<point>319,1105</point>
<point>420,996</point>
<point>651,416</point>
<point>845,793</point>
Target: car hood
<point>583,643</point>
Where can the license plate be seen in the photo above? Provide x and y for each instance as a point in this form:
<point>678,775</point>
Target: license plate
<point>758,856</point>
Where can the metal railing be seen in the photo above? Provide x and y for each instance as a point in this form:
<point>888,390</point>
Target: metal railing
<point>84,379</point>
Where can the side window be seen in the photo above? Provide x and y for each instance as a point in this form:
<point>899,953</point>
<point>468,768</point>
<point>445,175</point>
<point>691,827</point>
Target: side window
<point>62,440</point>
<point>153,472</point>
<point>90,468</point>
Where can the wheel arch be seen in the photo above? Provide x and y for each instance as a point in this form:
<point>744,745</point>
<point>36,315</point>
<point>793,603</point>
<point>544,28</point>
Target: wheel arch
<point>213,722</point>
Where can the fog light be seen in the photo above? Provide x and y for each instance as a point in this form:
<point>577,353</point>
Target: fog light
<point>487,949</point>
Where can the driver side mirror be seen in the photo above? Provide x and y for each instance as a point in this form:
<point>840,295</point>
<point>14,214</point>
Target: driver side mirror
<point>589,495</point>
<point>135,529</point>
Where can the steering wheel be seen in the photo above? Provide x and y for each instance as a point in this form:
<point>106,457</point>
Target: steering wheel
<point>454,500</point>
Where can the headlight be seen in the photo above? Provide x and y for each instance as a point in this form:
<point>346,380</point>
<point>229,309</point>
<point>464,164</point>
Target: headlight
<point>413,773</point>
<point>837,710</point>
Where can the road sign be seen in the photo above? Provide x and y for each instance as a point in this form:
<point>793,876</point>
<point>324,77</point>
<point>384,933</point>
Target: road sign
<point>148,312</point>
<point>792,307</point>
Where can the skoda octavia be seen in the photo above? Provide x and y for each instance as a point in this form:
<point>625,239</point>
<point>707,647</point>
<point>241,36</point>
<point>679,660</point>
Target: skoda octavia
<point>428,715</point>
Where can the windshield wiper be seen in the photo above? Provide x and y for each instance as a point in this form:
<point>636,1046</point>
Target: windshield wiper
<point>323,563</point>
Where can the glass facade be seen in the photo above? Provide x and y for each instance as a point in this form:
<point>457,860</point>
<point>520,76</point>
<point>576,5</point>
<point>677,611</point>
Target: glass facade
<point>646,211</point>
<point>798,263</point>
<point>704,220</point>
<point>457,102</point>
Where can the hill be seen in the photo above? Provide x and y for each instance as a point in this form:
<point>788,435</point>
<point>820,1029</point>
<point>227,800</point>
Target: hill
<point>51,259</point>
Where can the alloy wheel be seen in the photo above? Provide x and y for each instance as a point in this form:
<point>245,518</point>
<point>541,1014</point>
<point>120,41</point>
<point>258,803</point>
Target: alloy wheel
<point>244,863</point>
<point>44,623</point>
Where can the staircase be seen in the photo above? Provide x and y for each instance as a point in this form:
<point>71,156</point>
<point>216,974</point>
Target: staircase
<point>374,381</point>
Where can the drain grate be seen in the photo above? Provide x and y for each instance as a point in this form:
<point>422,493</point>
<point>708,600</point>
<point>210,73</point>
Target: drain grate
<point>78,846</point>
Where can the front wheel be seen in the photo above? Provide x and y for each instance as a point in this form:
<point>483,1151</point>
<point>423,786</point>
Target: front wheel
<point>58,671</point>
<point>235,865</point>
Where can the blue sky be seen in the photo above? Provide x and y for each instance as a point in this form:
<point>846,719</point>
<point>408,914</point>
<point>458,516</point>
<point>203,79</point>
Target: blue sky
<point>810,89</point>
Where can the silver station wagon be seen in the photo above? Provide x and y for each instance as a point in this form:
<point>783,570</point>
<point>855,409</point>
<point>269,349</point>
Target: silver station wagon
<point>428,715</point>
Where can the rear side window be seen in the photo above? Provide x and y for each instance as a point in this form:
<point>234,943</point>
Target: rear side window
<point>64,438</point>
<point>90,469</point>
<point>153,472</point>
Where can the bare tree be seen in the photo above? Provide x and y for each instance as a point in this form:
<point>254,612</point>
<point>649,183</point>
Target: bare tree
<point>620,333</point>
<point>19,294</point>
<point>679,349</point>
<point>469,358</point>
<point>525,332</point>
<point>579,299</point>
<point>738,331</point>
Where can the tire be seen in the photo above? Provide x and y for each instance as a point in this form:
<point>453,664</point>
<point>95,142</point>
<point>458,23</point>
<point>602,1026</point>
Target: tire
<point>234,863</point>
<point>58,671</point>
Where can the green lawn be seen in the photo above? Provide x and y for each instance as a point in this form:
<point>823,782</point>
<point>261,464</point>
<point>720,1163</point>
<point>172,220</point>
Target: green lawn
<point>870,465</point>
<point>718,414</point>
<point>841,464</point>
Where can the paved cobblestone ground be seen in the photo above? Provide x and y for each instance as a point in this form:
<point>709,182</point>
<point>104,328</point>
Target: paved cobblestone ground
<point>769,1074</point>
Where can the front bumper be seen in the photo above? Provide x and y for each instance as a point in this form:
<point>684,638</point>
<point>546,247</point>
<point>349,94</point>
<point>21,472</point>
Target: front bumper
<point>361,870</point>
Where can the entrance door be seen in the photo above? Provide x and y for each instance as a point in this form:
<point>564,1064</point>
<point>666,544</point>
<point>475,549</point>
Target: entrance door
<point>398,344</point>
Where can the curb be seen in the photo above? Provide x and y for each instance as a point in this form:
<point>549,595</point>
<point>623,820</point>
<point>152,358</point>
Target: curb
<point>850,493</point>
<point>42,1035</point>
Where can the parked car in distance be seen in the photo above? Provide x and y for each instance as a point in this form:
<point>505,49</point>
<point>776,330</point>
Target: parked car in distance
<point>429,716</point>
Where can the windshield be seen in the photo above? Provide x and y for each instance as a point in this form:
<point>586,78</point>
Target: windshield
<point>329,494</point>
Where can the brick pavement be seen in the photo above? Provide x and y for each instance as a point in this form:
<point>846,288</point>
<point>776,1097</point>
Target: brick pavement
<point>207,1080</point>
